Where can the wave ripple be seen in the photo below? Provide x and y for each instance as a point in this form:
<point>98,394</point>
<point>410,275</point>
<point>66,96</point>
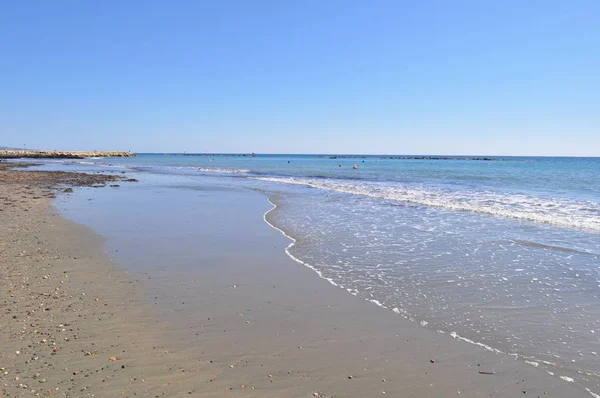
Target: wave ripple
<point>565,213</point>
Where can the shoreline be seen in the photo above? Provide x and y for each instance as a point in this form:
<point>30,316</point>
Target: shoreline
<point>522,358</point>
<point>322,335</point>
<point>292,244</point>
<point>375,302</point>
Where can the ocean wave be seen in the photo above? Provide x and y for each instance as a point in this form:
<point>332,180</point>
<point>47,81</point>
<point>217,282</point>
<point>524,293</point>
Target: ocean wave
<point>178,170</point>
<point>565,213</point>
<point>224,171</point>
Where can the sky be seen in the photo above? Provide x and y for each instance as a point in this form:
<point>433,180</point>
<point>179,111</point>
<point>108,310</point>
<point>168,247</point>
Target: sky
<point>455,77</point>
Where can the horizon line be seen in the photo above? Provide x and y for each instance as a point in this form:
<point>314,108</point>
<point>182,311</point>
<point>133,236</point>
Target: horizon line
<point>358,154</point>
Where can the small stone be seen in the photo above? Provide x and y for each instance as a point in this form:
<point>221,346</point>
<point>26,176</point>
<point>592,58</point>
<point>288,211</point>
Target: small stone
<point>112,359</point>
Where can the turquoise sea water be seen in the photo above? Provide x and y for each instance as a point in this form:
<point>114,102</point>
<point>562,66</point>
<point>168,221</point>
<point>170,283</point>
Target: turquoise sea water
<point>501,252</point>
<point>556,191</point>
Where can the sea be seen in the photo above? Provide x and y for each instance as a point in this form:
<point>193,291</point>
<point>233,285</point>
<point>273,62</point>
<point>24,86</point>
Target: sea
<point>501,252</point>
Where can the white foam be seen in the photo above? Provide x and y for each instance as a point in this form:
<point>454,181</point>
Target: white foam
<point>223,171</point>
<point>466,340</point>
<point>292,244</point>
<point>593,394</point>
<point>562,213</point>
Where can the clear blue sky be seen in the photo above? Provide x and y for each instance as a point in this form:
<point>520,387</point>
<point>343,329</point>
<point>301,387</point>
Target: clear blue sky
<point>411,77</point>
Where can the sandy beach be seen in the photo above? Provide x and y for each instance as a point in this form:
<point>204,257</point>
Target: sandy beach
<point>71,323</point>
<point>250,322</point>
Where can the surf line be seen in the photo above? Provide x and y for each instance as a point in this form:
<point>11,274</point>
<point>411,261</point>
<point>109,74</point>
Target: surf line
<point>454,335</point>
<point>292,244</point>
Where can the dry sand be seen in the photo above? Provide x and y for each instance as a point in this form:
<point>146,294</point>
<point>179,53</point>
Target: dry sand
<point>74,325</point>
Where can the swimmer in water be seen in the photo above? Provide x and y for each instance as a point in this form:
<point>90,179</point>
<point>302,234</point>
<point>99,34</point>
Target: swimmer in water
<point>354,166</point>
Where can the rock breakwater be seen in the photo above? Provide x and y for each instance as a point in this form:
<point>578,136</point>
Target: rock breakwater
<point>15,154</point>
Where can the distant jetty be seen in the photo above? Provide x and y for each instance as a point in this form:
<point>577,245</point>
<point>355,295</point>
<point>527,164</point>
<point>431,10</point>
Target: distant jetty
<point>408,157</point>
<point>17,153</point>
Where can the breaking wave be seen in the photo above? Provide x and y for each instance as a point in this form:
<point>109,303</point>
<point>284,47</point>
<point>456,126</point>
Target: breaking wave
<point>571,213</point>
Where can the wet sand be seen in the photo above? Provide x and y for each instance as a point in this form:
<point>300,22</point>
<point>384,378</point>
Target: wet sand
<point>242,319</point>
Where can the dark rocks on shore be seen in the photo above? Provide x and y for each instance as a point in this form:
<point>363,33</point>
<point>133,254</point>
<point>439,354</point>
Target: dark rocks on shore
<point>10,173</point>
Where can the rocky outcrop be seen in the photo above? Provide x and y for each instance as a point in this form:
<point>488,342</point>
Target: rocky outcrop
<point>15,154</point>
